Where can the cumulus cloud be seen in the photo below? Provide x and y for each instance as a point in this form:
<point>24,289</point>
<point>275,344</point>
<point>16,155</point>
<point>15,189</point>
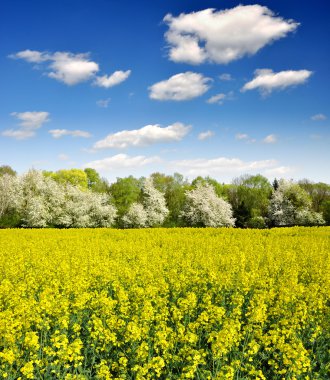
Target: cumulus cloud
<point>58,133</point>
<point>71,68</point>
<point>113,79</point>
<point>220,165</point>
<point>121,161</point>
<point>318,117</point>
<point>148,135</point>
<point>205,135</point>
<point>223,36</point>
<point>28,123</point>
<point>103,103</point>
<point>183,86</point>
<point>270,139</point>
<point>265,80</point>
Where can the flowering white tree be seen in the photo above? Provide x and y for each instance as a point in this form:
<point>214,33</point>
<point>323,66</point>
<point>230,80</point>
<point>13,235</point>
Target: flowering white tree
<point>291,205</point>
<point>151,212</point>
<point>42,199</point>
<point>136,216</point>
<point>42,202</point>
<point>154,204</point>
<point>204,208</point>
<point>10,193</point>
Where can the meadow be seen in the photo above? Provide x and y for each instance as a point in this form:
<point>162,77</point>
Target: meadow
<point>165,303</point>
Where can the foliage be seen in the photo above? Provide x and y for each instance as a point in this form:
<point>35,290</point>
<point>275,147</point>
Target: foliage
<point>204,208</point>
<point>6,169</point>
<point>257,222</point>
<point>255,202</point>
<point>242,215</point>
<point>75,177</point>
<point>165,304</point>
<point>326,212</point>
<point>174,188</point>
<point>318,192</point>
<point>249,197</point>
<point>125,192</point>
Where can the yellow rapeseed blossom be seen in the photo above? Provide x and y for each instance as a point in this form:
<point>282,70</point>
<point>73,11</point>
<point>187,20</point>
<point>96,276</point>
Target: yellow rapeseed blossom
<point>165,304</point>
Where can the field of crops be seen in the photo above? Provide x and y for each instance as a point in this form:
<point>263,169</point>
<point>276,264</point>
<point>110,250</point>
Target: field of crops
<point>168,304</point>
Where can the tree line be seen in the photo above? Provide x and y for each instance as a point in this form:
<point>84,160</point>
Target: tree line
<point>82,198</point>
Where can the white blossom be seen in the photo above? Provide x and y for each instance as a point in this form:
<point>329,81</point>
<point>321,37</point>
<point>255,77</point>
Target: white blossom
<point>10,193</point>
<point>204,208</point>
<point>154,204</point>
<point>290,205</point>
<point>136,216</point>
<point>42,202</point>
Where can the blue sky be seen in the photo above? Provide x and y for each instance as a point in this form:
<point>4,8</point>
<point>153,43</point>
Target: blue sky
<point>217,88</point>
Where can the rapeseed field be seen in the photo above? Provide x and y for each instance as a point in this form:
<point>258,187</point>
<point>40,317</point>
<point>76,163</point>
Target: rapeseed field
<point>165,304</point>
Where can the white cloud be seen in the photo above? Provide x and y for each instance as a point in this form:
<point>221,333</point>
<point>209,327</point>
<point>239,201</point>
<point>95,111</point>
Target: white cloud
<point>205,135</point>
<point>223,36</point>
<point>58,133</point>
<point>266,80</point>
<point>18,134</point>
<point>63,157</point>
<point>220,98</point>
<point>183,86</point>
<point>225,77</point>
<point>103,103</point>
<point>71,68</point>
<point>217,99</point>
<point>318,117</point>
<point>120,161</point>
<point>220,165</point>
<point>113,79</point>
<point>270,139</point>
<point>241,136</point>
<point>32,56</point>
<point>29,122</point>
<point>148,135</point>
<point>279,171</point>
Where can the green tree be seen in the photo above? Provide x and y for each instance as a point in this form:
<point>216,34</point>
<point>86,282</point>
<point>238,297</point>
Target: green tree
<point>319,193</point>
<point>95,182</point>
<point>173,187</point>
<point>75,177</point>
<point>326,212</point>
<point>249,196</point>
<point>124,192</point>
<point>6,169</point>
